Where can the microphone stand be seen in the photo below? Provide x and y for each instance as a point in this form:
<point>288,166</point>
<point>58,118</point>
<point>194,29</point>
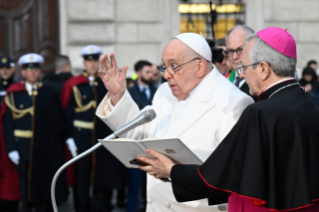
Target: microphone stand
<point>57,174</point>
<point>145,117</point>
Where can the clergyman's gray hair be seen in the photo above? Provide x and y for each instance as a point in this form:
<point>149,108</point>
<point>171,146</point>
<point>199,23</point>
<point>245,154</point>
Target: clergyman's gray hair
<point>282,65</point>
<point>61,61</point>
<point>243,27</point>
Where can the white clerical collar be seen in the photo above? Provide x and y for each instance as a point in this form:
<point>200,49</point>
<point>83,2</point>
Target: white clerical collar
<point>280,81</point>
<point>31,88</point>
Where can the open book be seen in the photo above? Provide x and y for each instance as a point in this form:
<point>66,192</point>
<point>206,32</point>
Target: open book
<point>126,149</point>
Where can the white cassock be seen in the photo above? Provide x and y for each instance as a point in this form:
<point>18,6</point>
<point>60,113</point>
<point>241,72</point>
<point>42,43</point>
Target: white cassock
<point>201,122</point>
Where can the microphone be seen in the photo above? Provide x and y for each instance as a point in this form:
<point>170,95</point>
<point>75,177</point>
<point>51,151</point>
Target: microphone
<point>145,117</point>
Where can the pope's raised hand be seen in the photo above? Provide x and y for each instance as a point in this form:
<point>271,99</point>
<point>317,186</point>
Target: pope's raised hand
<point>113,79</point>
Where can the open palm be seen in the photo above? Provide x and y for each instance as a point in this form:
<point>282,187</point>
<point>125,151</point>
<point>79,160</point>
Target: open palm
<point>113,79</point>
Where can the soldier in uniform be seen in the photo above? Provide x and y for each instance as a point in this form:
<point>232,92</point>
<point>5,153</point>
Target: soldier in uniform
<point>32,134</point>
<point>79,97</point>
<point>6,75</point>
<point>6,79</point>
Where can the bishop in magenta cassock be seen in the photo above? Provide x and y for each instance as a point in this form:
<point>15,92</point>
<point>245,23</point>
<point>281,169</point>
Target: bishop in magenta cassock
<point>269,161</point>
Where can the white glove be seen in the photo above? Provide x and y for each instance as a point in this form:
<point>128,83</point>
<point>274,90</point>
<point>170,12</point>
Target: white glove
<point>14,157</point>
<point>72,147</point>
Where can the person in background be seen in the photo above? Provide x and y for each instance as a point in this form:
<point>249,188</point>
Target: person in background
<point>62,73</point>
<point>130,82</point>
<point>309,81</point>
<point>219,59</point>
<point>313,64</point>
<point>7,69</point>
<point>32,130</point>
<point>6,75</point>
<point>235,40</point>
<point>79,97</point>
<point>142,94</point>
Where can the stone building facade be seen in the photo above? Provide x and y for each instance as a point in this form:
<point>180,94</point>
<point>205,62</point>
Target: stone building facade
<point>139,29</point>
<point>132,29</point>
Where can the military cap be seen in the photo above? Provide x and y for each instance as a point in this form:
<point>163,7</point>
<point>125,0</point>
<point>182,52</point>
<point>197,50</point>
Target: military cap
<point>31,60</point>
<point>6,62</point>
<point>91,52</point>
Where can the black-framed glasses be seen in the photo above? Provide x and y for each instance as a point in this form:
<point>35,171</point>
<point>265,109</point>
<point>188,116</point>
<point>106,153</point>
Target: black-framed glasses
<point>241,69</point>
<point>172,70</point>
<point>230,52</point>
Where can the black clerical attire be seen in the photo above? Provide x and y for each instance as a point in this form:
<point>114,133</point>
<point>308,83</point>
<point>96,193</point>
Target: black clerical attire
<point>270,157</point>
<point>33,126</point>
<point>56,81</point>
<point>80,97</point>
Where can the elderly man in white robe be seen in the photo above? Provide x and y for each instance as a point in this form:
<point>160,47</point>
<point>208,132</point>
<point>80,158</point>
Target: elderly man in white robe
<point>196,104</point>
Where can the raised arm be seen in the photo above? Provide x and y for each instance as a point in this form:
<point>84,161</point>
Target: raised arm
<point>113,79</point>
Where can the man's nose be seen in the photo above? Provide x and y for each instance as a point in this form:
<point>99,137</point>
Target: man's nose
<point>223,62</point>
<point>236,56</point>
<point>167,75</point>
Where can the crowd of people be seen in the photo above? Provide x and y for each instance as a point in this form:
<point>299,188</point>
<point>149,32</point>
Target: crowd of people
<point>46,119</point>
<point>41,116</point>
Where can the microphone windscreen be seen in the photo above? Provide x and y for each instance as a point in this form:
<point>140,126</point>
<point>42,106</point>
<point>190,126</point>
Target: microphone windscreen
<point>149,115</point>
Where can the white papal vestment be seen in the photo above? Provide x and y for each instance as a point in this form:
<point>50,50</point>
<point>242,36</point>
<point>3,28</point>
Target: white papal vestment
<point>201,122</point>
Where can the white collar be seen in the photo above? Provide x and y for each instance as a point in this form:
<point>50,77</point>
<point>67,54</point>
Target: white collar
<point>280,81</point>
<point>29,87</point>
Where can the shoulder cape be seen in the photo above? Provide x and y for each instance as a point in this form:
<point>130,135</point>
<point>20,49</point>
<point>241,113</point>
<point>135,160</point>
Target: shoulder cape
<point>271,154</point>
<point>9,179</point>
<point>67,88</point>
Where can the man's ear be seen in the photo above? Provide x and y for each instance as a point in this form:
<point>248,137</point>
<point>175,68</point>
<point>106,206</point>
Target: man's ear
<point>202,66</point>
<point>265,70</point>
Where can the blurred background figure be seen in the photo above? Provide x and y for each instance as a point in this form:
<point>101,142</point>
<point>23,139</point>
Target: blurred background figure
<point>235,40</point>
<point>142,93</point>
<point>130,82</point>
<point>313,64</point>
<point>102,170</point>
<point>219,59</point>
<point>33,137</point>
<point>309,81</point>
<point>62,73</point>
<point>7,70</point>
<point>158,78</point>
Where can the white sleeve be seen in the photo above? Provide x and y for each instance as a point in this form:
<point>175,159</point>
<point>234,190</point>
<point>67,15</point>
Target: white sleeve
<point>117,116</point>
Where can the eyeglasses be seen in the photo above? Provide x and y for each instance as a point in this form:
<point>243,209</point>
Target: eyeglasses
<point>230,52</point>
<point>241,69</point>
<point>172,70</point>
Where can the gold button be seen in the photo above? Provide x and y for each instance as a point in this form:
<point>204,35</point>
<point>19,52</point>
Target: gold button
<point>96,83</point>
<point>21,106</point>
<point>79,129</point>
<point>84,97</point>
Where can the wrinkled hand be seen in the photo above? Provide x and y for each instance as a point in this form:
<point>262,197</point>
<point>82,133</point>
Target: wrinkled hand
<point>160,166</point>
<point>113,79</point>
<point>72,147</point>
<point>14,157</point>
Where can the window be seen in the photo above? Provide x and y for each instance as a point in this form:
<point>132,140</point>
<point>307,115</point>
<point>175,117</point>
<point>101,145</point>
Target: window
<point>196,18</point>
